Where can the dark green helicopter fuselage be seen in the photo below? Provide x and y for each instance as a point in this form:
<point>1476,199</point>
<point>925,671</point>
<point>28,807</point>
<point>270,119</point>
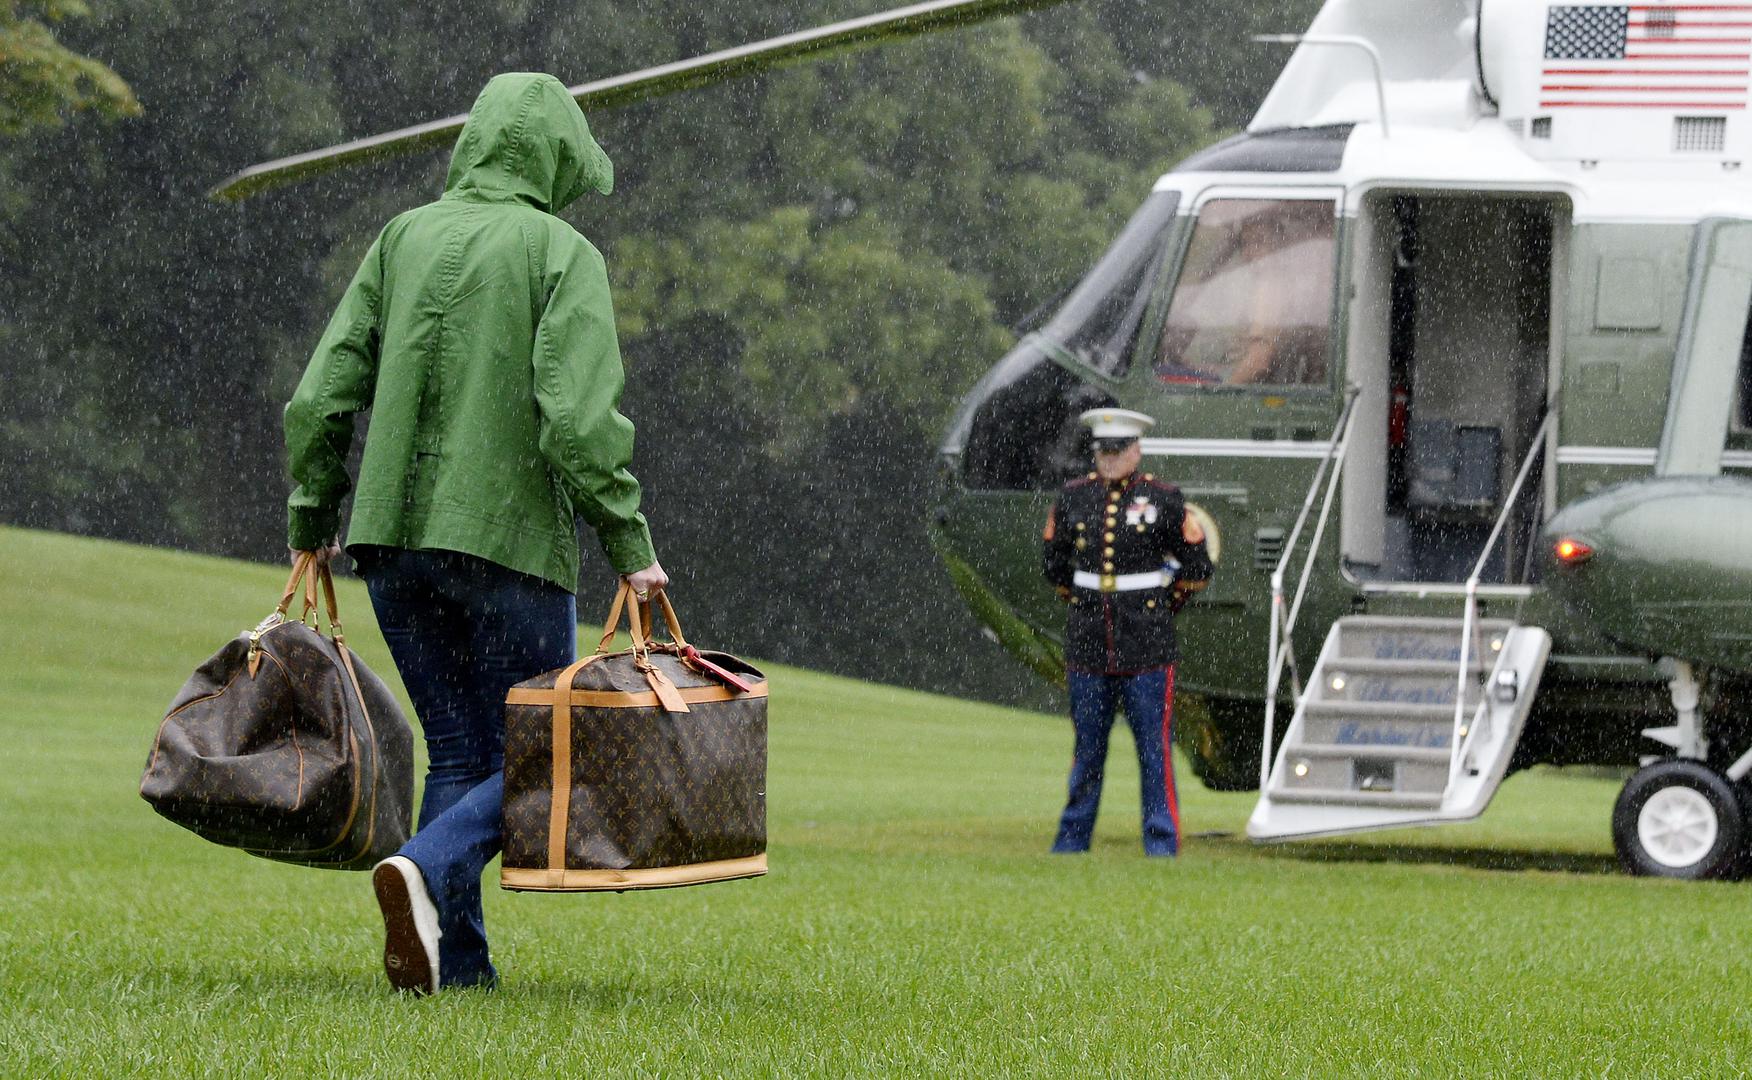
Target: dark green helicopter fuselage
<point>1458,317</point>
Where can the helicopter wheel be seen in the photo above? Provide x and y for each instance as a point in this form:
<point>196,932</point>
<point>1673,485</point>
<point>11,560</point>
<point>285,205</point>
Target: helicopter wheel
<point>1679,819</point>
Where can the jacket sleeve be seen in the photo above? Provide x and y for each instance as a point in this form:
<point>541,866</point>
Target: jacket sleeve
<point>339,382</point>
<point>578,380</point>
<point>1055,547</point>
<point>1186,542</point>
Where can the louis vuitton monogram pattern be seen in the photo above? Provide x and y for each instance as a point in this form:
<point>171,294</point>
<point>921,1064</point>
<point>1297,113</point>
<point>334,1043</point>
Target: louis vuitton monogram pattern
<point>296,762</point>
<point>649,788</point>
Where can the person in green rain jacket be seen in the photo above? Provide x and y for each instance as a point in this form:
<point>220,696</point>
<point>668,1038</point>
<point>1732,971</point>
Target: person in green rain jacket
<point>479,334</point>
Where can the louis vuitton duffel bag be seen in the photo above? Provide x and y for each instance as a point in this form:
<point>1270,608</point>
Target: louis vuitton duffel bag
<point>639,769</point>
<point>286,745</point>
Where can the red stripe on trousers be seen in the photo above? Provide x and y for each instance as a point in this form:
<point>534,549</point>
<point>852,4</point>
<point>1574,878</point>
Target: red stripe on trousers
<point>1168,753</point>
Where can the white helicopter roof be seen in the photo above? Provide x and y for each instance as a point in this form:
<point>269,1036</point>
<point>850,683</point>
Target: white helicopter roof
<point>1636,112</point>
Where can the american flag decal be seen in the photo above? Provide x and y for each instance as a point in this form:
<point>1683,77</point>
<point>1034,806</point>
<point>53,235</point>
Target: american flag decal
<point>1674,56</point>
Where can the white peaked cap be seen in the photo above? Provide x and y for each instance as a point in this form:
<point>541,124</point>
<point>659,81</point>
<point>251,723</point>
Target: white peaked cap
<point>1117,423</point>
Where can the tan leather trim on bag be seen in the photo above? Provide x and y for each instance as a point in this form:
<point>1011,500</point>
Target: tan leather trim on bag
<point>359,773</point>
<point>662,877</point>
<point>666,691</point>
<point>560,807</point>
<point>319,572</point>
<point>622,699</point>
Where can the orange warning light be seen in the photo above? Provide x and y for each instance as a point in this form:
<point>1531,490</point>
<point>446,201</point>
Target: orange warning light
<point>1570,551</point>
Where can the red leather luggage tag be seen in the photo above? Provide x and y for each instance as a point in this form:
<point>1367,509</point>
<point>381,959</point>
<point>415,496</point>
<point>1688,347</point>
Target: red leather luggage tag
<point>706,667</point>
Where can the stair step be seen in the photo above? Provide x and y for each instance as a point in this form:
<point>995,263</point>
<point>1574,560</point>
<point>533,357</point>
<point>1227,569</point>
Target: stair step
<point>1437,755</point>
<point>1379,710</point>
<point>1417,622</point>
<point>1388,638</point>
<point>1346,797</point>
<point>1354,724</point>
<point>1395,682</point>
<point>1370,769</point>
<point>1372,666</point>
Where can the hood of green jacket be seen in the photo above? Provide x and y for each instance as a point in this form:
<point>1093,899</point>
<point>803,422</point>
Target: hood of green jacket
<point>526,140</point>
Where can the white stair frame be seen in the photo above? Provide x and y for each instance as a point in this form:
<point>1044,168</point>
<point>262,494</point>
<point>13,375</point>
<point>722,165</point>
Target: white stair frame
<point>1489,733</point>
<point>1480,745</point>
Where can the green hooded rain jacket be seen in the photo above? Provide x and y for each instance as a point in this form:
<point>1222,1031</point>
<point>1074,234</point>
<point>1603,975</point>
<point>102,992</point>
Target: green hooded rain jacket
<point>479,332</point>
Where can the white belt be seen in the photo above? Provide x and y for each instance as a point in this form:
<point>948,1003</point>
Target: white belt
<point>1153,579</point>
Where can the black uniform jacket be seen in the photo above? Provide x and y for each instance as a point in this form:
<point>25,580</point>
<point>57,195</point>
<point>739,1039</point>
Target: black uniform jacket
<point>1132,526</point>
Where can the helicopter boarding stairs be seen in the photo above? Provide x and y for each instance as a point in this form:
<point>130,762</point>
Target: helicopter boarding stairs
<point>1403,720</point>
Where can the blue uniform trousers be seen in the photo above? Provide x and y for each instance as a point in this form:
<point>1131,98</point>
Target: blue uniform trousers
<point>1148,698</point>
<point>462,631</point>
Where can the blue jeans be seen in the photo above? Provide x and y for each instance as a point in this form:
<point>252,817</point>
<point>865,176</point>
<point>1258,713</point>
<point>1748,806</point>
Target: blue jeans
<point>462,631</point>
<point>1149,709</point>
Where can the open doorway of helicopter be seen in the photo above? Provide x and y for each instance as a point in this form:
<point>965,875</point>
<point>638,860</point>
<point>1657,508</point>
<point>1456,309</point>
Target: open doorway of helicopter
<point>1452,340</point>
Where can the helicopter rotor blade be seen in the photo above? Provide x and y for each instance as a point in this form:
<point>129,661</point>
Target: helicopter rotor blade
<point>726,64</point>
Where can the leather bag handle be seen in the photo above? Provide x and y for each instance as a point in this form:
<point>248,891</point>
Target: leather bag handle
<point>677,644</point>
<point>299,566</point>
<point>660,683</point>
<point>333,606</point>
<point>316,579</point>
<point>622,601</point>
<point>319,593</point>
<point>641,620</point>
<point>674,624</point>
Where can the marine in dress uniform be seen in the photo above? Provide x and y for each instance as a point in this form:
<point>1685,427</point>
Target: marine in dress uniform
<point>1121,548</point>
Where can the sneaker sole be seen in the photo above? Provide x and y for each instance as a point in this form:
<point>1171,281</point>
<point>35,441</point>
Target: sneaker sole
<point>404,955</point>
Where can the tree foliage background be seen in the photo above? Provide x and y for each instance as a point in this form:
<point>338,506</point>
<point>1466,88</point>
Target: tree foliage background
<point>811,265</point>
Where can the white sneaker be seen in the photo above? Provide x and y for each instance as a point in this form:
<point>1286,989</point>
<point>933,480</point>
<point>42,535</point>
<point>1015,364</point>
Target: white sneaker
<point>410,925</point>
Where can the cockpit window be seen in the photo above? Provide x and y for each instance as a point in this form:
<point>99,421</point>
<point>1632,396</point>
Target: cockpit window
<point>1253,303</point>
<point>1098,324</point>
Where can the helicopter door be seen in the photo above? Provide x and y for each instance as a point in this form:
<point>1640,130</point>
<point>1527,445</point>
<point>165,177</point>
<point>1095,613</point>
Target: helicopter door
<point>1450,339</point>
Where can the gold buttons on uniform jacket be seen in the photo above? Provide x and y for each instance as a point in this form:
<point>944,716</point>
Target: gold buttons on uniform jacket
<point>1149,603</point>
<point>1108,538</point>
<point>1107,552</point>
<point>1081,544</point>
<point>1107,566</point>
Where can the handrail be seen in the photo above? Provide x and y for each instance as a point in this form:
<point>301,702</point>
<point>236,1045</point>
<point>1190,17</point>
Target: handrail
<point>1282,624</point>
<point>1462,735</point>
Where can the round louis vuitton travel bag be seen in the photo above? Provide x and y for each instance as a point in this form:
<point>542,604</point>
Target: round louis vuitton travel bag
<point>286,745</point>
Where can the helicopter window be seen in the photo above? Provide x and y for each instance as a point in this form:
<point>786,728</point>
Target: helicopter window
<point>1099,321</point>
<point>1253,304</point>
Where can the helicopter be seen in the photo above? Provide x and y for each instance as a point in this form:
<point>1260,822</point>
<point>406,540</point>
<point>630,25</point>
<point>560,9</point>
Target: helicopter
<point>1475,280</point>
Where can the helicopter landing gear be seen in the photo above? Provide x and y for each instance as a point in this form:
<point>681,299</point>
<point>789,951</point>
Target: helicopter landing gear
<point>1685,734</point>
<point>1680,819</point>
<point>1677,816</point>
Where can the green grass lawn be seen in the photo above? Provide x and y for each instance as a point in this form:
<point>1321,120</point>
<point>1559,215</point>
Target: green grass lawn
<point>912,924</point>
